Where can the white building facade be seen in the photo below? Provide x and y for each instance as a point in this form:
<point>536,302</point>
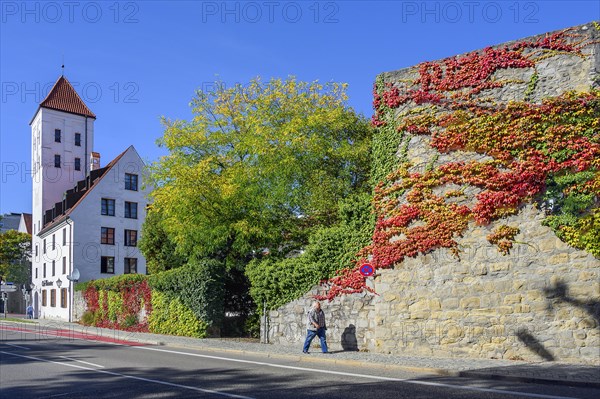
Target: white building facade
<point>84,217</point>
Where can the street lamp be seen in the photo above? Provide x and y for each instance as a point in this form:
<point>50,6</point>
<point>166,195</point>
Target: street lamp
<point>59,283</point>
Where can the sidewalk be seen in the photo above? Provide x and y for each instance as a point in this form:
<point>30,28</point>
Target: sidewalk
<point>530,372</point>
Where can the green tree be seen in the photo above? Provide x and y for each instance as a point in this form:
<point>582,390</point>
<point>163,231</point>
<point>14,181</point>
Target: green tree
<point>258,167</point>
<point>157,246</point>
<point>15,252</point>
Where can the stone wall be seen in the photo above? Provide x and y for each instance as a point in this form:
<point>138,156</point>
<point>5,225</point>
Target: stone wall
<point>540,302</point>
<point>79,306</point>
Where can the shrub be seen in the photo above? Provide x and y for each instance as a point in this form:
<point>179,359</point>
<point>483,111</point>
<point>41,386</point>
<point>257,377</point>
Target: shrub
<point>197,285</point>
<point>171,316</point>
<point>281,280</point>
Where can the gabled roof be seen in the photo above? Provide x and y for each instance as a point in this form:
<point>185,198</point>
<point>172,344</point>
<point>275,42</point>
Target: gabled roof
<point>100,173</point>
<point>63,97</point>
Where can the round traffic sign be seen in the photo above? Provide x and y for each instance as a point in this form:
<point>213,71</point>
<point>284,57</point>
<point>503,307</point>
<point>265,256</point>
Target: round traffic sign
<point>367,270</point>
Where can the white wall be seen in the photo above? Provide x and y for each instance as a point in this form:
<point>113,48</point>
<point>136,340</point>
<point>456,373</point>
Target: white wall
<point>88,220</point>
<point>49,183</point>
<point>54,253</point>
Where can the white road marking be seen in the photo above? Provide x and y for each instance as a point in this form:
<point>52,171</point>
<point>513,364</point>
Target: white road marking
<point>17,346</point>
<point>81,361</point>
<point>371,377</point>
<point>228,395</point>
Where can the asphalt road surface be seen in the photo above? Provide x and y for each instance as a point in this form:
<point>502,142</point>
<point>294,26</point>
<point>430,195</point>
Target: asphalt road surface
<point>34,365</point>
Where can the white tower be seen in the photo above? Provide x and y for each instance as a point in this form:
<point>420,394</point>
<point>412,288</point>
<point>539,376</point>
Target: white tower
<point>62,137</point>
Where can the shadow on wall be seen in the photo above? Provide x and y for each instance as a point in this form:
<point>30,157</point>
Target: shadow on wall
<point>534,345</point>
<point>349,342</point>
<point>560,293</point>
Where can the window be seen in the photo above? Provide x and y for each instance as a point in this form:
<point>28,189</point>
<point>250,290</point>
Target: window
<point>107,236</point>
<point>130,265</point>
<point>77,163</point>
<point>53,242</point>
<point>131,182</point>
<point>131,210</point>
<point>44,298</point>
<point>53,268</point>
<point>44,246</point>
<point>130,238</point>
<point>36,250</point>
<point>57,161</point>
<point>65,236</point>
<point>44,271</point>
<point>107,264</point>
<point>57,135</point>
<point>53,298</point>
<point>64,268</point>
<point>108,207</point>
<point>63,297</point>
<point>36,272</point>
<point>78,139</point>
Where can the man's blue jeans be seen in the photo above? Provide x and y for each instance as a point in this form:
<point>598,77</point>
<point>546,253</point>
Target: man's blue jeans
<point>311,335</point>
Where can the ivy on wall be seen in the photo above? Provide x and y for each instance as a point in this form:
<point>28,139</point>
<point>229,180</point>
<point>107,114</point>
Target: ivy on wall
<point>547,152</point>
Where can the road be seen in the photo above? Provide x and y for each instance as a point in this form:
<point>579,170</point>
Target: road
<point>34,365</point>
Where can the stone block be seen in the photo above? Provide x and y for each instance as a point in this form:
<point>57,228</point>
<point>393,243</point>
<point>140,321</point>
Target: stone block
<point>534,295</point>
<point>470,303</point>
<point>588,276</point>
<point>420,314</point>
<point>590,353</point>
<point>499,266</point>
<point>587,323</point>
<point>450,303</point>
<point>579,334</point>
<point>558,259</point>
<point>389,297</point>
<point>546,245</point>
<point>512,299</point>
<point>504,310</point>
<point>520,308</point>
<point>419,305</point>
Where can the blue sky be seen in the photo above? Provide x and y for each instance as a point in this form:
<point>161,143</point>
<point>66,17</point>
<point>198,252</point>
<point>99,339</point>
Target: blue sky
<point>135,61</point>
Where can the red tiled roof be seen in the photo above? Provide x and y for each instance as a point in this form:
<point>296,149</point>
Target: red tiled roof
<point>63,97</point>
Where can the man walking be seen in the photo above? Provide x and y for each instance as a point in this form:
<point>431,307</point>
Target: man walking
<point>315,327</point>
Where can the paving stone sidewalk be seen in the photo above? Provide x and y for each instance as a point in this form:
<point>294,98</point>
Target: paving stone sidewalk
<point>542,372</point>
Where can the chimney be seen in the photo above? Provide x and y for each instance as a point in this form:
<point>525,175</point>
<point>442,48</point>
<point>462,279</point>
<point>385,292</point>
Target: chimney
<point>94,161</point>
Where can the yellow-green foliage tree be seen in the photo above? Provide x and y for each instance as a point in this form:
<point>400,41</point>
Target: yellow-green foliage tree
<point>258,167</point>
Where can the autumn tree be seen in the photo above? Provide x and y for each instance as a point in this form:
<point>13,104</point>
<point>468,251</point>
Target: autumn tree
<point>258,167</point>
